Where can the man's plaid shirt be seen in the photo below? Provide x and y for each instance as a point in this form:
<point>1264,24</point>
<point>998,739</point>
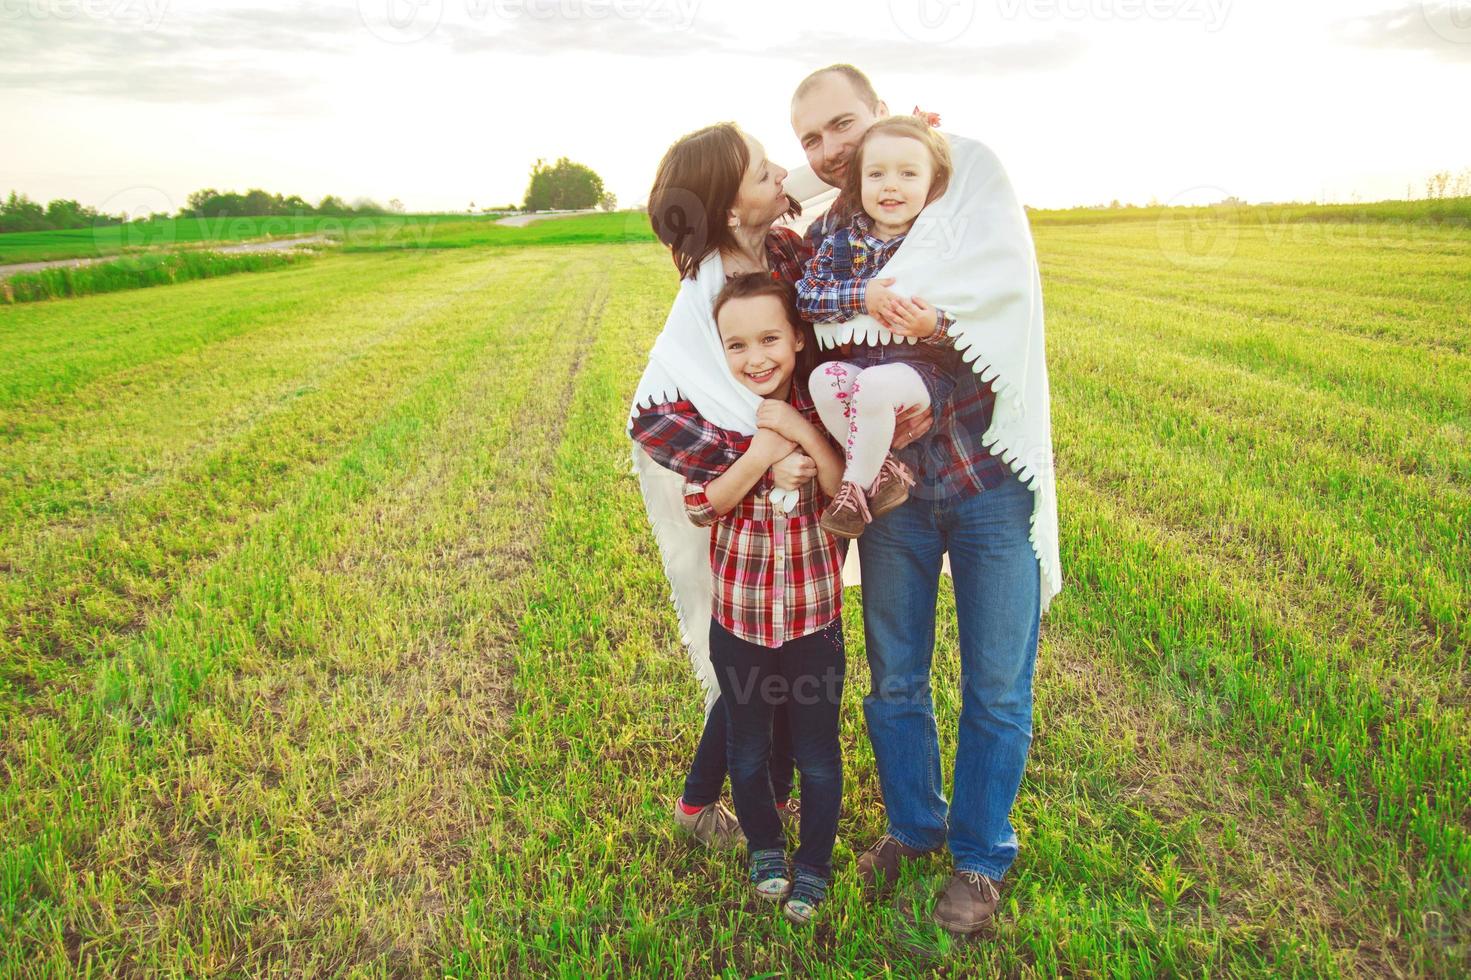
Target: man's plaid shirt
<point>952,461</point>
<point>777,576</point>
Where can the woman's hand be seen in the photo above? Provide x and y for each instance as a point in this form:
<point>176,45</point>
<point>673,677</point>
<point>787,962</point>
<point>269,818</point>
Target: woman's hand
<point>781,418</point>
<point>912,317</point>
<point>770,445</point>
<point>793,471</point>
<point>910,424</point>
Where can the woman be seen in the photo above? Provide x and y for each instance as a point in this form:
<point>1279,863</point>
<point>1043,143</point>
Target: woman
<point>715,195</point>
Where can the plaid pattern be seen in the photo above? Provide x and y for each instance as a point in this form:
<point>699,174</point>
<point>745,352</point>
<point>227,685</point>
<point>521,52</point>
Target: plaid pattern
<point>952,462</point>
<point>777,576</point>
<point>836,282</point>
<point>674,434</point>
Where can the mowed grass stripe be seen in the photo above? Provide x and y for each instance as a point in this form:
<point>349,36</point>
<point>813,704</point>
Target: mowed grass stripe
<point>124,433</point>
<point>1393,775</point>
<point>269,604</point>
<point>71,594</point>
<point>1356,524</point>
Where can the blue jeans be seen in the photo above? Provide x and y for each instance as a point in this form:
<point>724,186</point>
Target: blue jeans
<point>804,679</point>
<point>706,777</point>
<point>998,605</point>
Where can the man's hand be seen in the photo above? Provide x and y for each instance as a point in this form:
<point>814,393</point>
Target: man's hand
<point>878,297</point>
<point>909,425</point>
<point>781,418</point>
<point>793,471</point>
<point>912,317</point>
<point>770,445</point>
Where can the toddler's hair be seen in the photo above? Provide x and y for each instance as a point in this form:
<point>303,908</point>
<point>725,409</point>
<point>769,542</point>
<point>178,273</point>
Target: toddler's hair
<point>914,128</point>
<point>754,284</point>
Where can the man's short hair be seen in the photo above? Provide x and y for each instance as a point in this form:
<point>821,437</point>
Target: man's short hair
<point>862,87</point>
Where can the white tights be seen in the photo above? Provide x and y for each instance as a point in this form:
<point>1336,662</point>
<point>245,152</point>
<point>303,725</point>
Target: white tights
<point>858,408</point>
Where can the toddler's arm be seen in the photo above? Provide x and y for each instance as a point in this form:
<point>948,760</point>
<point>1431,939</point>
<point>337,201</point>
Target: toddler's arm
<point>824,298</point>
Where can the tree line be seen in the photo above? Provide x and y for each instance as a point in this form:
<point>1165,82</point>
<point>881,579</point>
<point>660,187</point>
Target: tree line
<point>19,213</point>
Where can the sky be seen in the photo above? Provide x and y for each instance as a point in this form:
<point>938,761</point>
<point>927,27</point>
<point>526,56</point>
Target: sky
<point>133,104</point>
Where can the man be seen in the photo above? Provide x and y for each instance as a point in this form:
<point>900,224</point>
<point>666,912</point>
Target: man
<point>969,503</point>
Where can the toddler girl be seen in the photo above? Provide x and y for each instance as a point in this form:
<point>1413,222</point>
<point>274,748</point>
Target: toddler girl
<point>899,167</point>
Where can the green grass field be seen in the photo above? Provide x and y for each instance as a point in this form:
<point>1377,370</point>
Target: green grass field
<point>335,640</point>
<point>354,233</point>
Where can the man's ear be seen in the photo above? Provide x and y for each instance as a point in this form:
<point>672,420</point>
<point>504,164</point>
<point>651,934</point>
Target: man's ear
<point>881,110</point>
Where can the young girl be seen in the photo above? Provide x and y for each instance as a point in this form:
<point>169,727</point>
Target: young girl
<point>900,166</point>
<point>776,637</point>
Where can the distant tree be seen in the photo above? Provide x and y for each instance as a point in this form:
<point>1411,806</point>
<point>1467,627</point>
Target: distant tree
<point>332,204</point>
<point>1436,184</point>
<point>395,205</point>
<point>609,201</point>
<point>562,186</point>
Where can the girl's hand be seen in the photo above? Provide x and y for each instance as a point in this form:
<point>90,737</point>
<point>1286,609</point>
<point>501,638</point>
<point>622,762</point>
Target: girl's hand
<point>910,424</point>
<point>912,317</point>
<point>878,297</point>
<point>770,445</point>
<point>793,471</point>
<point>781,418</point>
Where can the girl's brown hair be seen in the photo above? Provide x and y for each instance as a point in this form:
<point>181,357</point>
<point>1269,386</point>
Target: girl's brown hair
<point>914,128</point>
<point>694,189</point>
<point>754,284</point>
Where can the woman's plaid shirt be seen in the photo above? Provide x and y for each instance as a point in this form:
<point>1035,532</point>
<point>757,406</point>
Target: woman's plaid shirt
<point>777,576</point>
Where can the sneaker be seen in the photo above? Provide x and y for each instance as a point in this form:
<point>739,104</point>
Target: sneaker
<point>968,902</point>
<point>847,515</point>
<point>713,825</point>
<point>878,866</point>
<point>890,488</point>
<point>808,892</point>
<point>768,874</point>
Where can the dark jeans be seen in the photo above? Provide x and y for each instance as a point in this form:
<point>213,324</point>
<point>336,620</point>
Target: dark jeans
<point>707,772</point>
<point>802,678</point>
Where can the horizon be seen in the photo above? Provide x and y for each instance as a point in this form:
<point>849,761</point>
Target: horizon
<point>291,98</point>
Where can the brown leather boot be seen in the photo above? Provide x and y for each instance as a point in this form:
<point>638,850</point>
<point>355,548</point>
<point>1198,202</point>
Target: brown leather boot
<point>968,902</point>
<point>878,867</point>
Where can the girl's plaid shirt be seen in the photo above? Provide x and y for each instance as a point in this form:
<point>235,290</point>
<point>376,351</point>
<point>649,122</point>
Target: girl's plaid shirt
<point>777,576</point>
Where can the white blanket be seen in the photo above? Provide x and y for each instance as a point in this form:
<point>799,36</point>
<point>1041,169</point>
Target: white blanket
<point>970,253</point>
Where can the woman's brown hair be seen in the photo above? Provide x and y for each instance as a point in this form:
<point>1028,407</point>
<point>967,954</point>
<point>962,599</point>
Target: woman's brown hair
<point>754,284</point>
<point>914,128</point>
<point>694,189</point>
